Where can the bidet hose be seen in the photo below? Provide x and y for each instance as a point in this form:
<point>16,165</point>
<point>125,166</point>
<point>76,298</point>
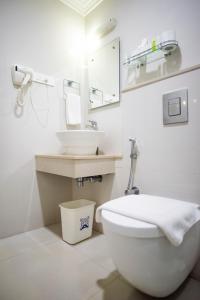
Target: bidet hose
<point>132,156</point>
<point>131,176</point>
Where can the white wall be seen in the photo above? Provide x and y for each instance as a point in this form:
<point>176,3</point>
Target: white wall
<point>168,162</point>
<point>43,35</point>
<point>168,156</point>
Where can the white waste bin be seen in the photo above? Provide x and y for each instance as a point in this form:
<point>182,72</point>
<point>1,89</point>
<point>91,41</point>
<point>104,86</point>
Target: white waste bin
<point>77,220</point>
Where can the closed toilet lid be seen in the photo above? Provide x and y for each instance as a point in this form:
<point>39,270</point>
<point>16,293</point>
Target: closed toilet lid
<point>129,227</point>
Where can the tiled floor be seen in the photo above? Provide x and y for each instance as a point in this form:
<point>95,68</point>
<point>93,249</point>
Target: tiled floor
<point>38,265</point>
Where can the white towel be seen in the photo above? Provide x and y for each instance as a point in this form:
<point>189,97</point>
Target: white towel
<point>173,217</point>
<point>73,109</point>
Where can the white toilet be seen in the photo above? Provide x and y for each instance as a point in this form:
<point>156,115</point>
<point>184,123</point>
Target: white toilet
<point>145,257</point>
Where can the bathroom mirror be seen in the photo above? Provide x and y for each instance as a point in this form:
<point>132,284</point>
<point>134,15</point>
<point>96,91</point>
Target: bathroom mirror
<point>103,74</point>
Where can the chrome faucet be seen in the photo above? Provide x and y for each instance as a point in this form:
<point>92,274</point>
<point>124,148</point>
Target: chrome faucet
<point>92,124</point>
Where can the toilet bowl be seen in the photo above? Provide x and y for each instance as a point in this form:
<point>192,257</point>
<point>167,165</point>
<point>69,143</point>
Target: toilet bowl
<point>145,257</point>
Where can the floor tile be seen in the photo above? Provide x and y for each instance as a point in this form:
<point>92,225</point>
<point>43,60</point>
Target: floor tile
<point>39,265</point>
<point>189,290</point>
<point>96,249</point>
<point>46,234</point>
<point>29,241</point>
<point>16,245</point>
<point>196,272</point>
<point>17,276</point>
<point>55,271</point>
<point>119,289</point>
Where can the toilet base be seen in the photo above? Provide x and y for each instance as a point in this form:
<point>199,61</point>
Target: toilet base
<point>154,265</point>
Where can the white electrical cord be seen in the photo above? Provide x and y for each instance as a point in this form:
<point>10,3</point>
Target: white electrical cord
<point>20,95</point>
<point>36,110</point>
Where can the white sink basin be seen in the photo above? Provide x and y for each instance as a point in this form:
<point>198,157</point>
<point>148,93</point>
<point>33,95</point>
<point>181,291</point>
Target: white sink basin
<point>80,142</point>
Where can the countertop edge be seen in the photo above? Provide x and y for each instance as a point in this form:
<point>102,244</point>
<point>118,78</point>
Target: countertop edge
<point>79,157</point>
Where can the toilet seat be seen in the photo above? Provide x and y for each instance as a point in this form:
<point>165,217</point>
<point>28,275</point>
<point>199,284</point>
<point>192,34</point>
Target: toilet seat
<point>130,227</point>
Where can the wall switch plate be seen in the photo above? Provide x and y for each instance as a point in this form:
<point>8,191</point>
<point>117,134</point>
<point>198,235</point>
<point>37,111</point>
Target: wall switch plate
<point>175,107</point>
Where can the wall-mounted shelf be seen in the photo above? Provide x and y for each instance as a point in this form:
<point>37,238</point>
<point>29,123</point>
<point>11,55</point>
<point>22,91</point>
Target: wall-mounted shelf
<point>76,166</point>
<point>160,50</point>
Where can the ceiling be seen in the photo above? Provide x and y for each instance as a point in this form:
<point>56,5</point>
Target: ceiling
<point>83,7</point>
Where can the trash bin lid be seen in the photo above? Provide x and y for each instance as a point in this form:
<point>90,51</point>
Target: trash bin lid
<point>76,204</point>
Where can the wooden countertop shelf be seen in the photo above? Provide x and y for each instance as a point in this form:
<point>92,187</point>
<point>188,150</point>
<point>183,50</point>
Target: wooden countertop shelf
<point>75,166</point>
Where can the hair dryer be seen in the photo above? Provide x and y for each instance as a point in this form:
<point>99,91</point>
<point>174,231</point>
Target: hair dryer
<point>28,74</point>
<point>21,81</point>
